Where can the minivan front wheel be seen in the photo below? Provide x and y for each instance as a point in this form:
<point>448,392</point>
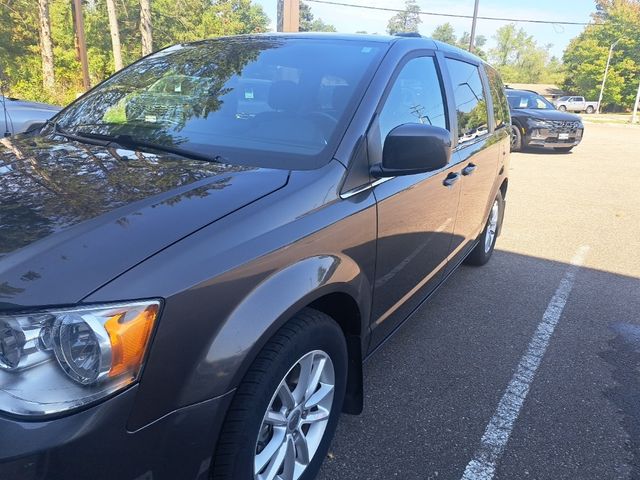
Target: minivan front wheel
<point>285,411</point>
<point>486,242</point>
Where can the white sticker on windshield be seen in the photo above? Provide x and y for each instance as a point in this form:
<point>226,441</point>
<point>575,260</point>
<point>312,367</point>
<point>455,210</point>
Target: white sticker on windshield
<point>150,118</point>
<point>523,102</point>
<point>365,50</point>
<point>248,94</point>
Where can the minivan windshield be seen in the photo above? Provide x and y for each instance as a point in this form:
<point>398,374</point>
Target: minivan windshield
<point>529,100</point>
<point>269,101</point>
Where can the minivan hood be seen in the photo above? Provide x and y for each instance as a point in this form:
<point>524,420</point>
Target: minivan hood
<point>74,216</point>
<point>547,114</point>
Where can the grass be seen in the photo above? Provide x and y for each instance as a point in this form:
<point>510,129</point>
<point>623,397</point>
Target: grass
<point>613,118</point>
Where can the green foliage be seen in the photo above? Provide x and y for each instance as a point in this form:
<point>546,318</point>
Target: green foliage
<point>406,21</point>
<point>173,22</point>
<point>586,56</point>
<point>446,33</point>
<point>519,59</point>
<point>480,42</point>
<point>308,23</point>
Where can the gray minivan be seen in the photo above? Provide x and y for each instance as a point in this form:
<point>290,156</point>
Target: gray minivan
<point>191,276</point>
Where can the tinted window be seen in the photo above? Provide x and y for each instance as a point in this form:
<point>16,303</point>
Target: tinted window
<point>416,97</point>
<point>470,100</point>
<point>266,101</point>
<point>500,105</point>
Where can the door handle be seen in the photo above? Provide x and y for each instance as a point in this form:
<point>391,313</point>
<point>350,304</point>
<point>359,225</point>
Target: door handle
<point>451,179</point>
<point>469,169</point>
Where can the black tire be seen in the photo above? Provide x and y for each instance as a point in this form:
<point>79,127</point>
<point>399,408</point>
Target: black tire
<point>590,109</point>
<point>562,149</point>
<point>516,139</point>
<point>480,254</point>
<point>562,108</point>
<point>309,330</point>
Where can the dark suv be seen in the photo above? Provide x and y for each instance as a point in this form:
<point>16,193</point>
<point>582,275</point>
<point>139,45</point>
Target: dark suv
<point>537,123</point>
<point>189,292</point>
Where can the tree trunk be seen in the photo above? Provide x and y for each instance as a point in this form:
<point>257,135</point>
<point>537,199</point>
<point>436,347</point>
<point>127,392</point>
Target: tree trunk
<point>145,27</point>
<point>46,46</point>
<point>115,34</point>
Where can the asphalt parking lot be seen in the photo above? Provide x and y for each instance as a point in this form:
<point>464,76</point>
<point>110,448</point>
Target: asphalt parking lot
<point>529,367</point>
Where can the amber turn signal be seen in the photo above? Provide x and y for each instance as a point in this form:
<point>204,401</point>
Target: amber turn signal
<point>129,334</point>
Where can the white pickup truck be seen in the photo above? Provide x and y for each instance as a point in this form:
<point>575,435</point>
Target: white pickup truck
<point>575,104</point>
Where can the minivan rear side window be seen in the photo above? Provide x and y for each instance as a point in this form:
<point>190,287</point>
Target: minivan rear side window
<point>415,97</point>
<point>470,100</point>
<point>500,105</point>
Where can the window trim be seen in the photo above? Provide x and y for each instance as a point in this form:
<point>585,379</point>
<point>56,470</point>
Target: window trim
<point>483,79</point>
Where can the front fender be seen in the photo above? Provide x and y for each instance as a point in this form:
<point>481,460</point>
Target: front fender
<point>270,305</point>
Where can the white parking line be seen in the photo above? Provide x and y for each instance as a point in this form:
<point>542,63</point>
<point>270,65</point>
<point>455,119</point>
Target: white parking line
<point>496,435</point>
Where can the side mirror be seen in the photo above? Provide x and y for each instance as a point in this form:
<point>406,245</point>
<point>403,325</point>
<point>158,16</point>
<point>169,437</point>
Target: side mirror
<point>414,148</point>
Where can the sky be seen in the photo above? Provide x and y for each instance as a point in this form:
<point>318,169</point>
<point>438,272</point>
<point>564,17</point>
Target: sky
<point>350,20</point>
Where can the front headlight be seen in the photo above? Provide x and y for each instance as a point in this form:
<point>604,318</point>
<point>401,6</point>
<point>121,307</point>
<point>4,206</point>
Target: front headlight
<point>58,360</point>
<point>540,124</point>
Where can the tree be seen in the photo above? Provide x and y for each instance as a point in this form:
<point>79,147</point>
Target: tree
<point>480,41</point>
<point>145,27</point>
<point>46,45</point>
<point>308,23</point>
<point>445,33</point>
<point>586,55</point>
<point>173,22</point>
<point>519,58</point>
<point>407,20</point>
<point>115,34</point>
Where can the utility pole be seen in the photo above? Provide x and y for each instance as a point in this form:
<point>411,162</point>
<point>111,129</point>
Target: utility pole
<point>606,71</point>
<point>634,118</point>
<point>288,15</point>
<point>472,39</point>
<point>82,43</point>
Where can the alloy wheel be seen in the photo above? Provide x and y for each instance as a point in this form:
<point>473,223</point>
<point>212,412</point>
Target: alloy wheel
<point>296,419</point>
<point>492,226</point>
<point>514,137</point>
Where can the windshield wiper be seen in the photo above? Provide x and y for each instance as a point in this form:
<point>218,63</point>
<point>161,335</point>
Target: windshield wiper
<point>127,141</point>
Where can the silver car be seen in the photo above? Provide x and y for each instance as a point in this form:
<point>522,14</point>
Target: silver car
<point>18,115</point>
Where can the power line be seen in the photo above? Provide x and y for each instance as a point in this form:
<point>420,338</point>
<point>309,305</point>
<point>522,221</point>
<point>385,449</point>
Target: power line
<point>451,15</point>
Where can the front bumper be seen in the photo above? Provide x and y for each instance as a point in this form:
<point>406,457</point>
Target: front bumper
<point>553,137</point>
<point>96,444</point>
